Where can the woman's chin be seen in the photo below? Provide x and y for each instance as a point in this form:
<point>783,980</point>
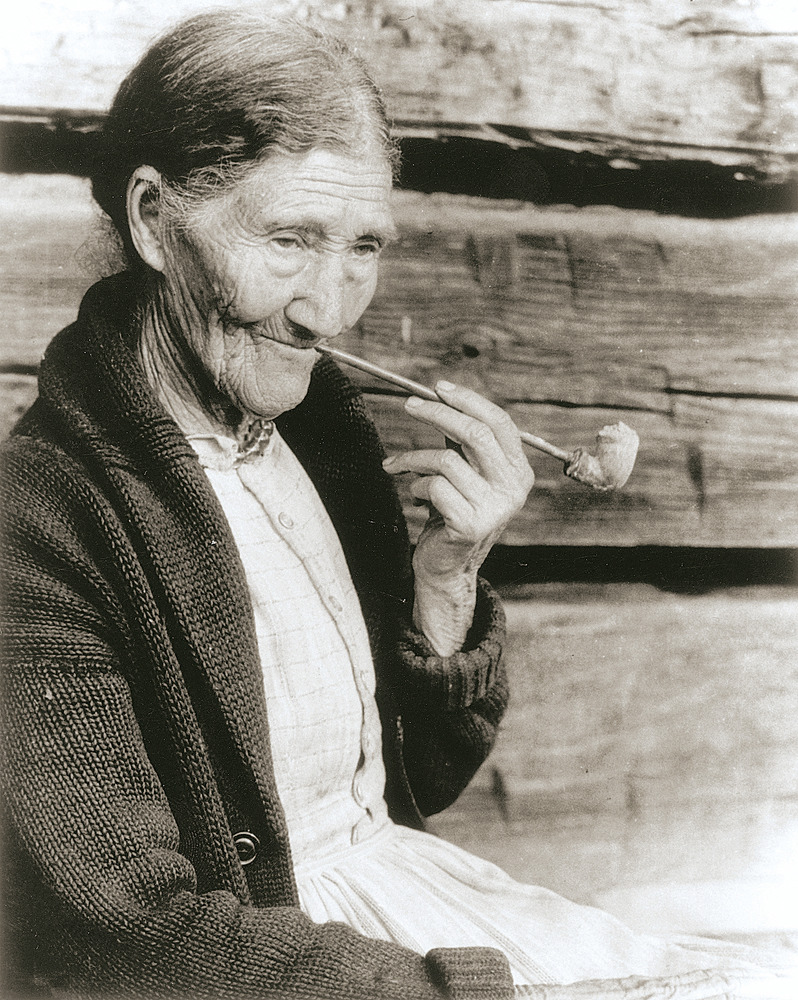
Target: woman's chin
<point>283,393</point>
<point>271,379</point>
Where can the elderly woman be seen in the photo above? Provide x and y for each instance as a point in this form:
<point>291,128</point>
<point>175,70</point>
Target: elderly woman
<point>230,698</point>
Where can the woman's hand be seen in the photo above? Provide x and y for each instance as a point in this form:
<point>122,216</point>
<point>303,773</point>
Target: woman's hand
<point>474,491</point>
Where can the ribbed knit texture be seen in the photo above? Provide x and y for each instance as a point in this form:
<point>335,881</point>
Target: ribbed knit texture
<point>135,727</point>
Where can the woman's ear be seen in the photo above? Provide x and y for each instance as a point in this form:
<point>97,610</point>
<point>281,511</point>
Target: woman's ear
<point>143,215</point>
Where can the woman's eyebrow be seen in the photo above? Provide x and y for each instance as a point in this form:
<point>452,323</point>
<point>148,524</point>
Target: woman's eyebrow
<point>383,230</point>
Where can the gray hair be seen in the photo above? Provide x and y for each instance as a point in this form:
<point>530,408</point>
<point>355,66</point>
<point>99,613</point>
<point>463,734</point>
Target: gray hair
<point>222,91</point>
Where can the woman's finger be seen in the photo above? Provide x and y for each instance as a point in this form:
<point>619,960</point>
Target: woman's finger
<point>474,405</point>
<point>470,506</point>
<point>443,462</point>
<point>477,439</point>
<point>457,513</point>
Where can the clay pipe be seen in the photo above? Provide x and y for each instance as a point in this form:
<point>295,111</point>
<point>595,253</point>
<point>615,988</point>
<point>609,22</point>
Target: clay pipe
<point>608,469</point>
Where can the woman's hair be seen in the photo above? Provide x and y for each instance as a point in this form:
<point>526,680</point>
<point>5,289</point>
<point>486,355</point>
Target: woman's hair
<point>223,90</point>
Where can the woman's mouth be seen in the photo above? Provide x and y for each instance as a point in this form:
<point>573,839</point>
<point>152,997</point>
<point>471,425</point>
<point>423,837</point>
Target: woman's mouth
<point>300,336</point>
<point>284,332</point>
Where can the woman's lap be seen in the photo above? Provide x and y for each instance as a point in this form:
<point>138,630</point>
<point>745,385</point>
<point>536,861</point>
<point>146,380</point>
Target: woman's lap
<point>422,892</point>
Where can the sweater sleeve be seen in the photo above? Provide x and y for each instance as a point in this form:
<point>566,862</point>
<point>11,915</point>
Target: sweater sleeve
<point>102,886</point>
<point>452,706</point>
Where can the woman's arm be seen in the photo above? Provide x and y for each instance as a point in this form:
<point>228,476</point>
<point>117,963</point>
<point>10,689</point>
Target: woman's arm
<point>451,706</point>
<point>474,488</point>
<point>455,690</point>
<point>116,903</point>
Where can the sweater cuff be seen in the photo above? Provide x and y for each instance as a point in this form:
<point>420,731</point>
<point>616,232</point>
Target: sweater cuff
<point>465,676</point>
<point>471,973</point>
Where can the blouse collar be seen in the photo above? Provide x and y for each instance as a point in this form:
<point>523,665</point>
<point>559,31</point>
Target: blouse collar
<point>223,452</point>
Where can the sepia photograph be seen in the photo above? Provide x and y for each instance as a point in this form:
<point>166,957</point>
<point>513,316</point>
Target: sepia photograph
<point>399,500</point>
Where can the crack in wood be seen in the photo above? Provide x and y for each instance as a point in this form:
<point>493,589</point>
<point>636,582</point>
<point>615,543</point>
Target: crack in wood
<point>723,32</point>
<point>77,129</point>
<point>765,397</point>
<point>569,405</point>
<point>695,470</point>
<point>573,280</point>
<point>389,393</point>
<point>500,794</point>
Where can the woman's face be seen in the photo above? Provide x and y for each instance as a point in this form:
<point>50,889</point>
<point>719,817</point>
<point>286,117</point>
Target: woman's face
<point>284,260</point>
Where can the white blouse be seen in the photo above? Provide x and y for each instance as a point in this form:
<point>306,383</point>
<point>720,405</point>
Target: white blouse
<point>317,668</point>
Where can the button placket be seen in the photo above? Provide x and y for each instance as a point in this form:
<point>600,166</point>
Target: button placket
<point>314,546</point>
<point>297,524</point>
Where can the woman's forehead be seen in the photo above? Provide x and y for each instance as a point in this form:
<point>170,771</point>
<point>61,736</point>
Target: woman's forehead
<point>316,190</point>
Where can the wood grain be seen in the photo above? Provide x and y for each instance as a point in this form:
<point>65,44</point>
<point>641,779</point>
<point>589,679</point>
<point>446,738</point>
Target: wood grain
<point>677,304</point>
<point>684,329</point>
<point>46,222</point>
<point>693,80</point>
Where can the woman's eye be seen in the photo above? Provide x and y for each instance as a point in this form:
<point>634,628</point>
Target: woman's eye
<point>366,248</point>
<point>288,242</point>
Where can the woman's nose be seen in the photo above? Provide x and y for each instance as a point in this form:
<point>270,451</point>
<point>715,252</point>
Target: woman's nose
<point>321,299</point>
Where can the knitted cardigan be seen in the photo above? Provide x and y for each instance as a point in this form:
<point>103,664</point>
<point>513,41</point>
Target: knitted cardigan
<point>136,738</point>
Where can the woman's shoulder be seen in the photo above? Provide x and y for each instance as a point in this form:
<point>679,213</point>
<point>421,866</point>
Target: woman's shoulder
<point>38,475</point>
<point>32,442</point>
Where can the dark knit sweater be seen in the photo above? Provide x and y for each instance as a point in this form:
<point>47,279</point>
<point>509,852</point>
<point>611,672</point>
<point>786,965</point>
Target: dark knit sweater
<point>136,738</point>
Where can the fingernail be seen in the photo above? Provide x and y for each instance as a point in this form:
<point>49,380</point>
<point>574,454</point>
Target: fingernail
<point>388,462</point>
<point>445,386</point>
<point>412,402</point>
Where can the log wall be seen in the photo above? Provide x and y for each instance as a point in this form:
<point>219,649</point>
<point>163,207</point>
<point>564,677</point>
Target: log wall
<point>708,79</point>
<point>684,329</point>
<point>647,761</point>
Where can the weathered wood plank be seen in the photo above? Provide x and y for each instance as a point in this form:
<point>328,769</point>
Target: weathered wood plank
<point>680,304</point>
<point>650,744</point>
<point>17,392</point>
<point>700,76</point>
<point>683,328</point>
<point>45,222</point>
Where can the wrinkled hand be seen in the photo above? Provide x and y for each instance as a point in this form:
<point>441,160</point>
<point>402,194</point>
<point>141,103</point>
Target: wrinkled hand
<point>474,491</point>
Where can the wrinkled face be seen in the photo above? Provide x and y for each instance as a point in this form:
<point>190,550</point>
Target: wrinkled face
<point>284,260</point>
